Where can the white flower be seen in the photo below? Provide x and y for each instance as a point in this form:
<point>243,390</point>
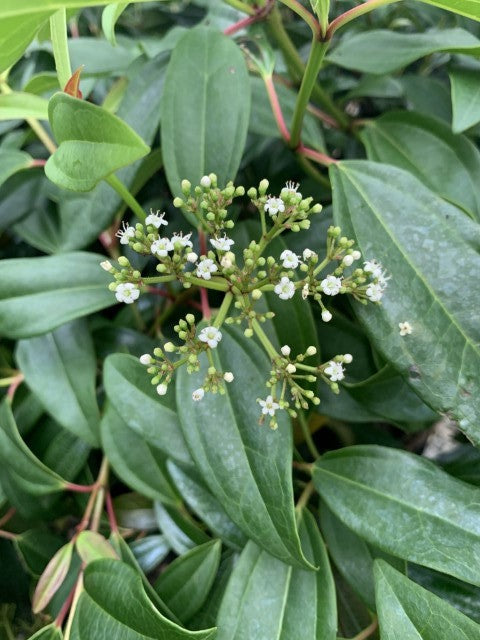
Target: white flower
<point>331,285</point>
<point>228,260</point>
<point>156,219</point>
<point>222,244</point>
<point>210,335</point>
<point>274,206</point>
<point>198,394</point>
<point>106,265</point>
<point>285,350</point>
<point>285,288</point>
<point>308,253</point>
<point>374,292</point>
<point>373,267</point>
<point>334,371</point>
<point>269,406</point>
<point>184,241</point>
<point>192,257</point>
<point>326,315</point>
<point>205,269</point>
<point>146,359</point>
<point>405,328</point>
<point>289,259</point>
<point>162,389</point>
<point>206,182</point>
<point>125,233</point>
<point>161,247</point>
<point>127,292</point>
<point>291,189</point>
<point>290,368</point>
<point>228,376</point>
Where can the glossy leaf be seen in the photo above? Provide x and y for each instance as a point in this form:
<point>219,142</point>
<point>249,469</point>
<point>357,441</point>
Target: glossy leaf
<point>245,465</point>
<point>266,598</point>
<point>64,287</point>
<point>406,611</point>
<point>446,163</point>
<point>422,241</point>
<point>465,98</point>
<point>92,546</point>
<point>150,551</point>
<point>17,105</point>
<point>52,577</point>
<point>93,143</point>
<point>196,137</point>
<point>50,632</point>
<point>12,161</point>
<point>66,358</point>
<point>405,505</point>
<point>185,584</point>
<point>179,528</point>
<point>196,494</point>
<point>17,33</point>
<point>110,15</point>
<point>147,414</point>
<point>139,464</point>
<point>468,8</point>
<point>114,604</point>
<point>382,51</point>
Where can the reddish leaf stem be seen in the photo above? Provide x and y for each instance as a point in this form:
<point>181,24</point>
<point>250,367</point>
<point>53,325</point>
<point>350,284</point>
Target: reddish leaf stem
<point>276,108</point>
<point>38,163</point>
<point>351,14</point>
<point>80,488</point>
<point>111,512</point>
<point>9,514</point>
<point>8,535</point>
<point>241,24</point>
<point>14,386</point>
<point>65,607</point>
<point>316,156</point>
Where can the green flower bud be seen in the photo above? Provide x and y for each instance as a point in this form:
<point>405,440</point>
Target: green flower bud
<point>186,187</point>
<point>252,193</point>
<point>256,294</point>
<point>263,186</point>
<point>169,347</point>
<point>178,203</point>
<point>248,332</point>
<point>123,261</point>
<point>190,318</point>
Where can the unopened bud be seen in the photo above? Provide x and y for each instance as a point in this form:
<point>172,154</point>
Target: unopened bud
<point>162,389</point>
<point>206,182</point>
<point>228,376</point>
<point>169,347</point>
<point>285,350</point>
<point>311,351</point>
<point>106,265</point>
<point>146,359</point>
<point>326,315</point>
<point>192,257</point>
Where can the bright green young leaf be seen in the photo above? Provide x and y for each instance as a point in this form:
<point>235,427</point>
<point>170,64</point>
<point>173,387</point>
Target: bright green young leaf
<point>16,33</point>
<point>406,611</point>
<point>266,598</point>
<point>446,163</point>
<point>206,80</point>
<point>405,505</point>
<point>93,143</point>
<point>50,632</point>
<point>52,577</point>
<point>147,414</point>
<point>384,51</point>
<point>185,584</point>
<point>12,161</point>
<point>92,546</point>
<point>138,463</point>
<point>468,8</point>
<point>247,466</point>
<point>39,294</point>
<point>115,605</point>
<point>179,528</point>
<point>17,105</point>
<point>67,359</point>
<point>24,467</point>
<point>196,494</point>
<point>110,15</point>
<point>27,7</point>
<point>422,242</point>
<point>465,98</point>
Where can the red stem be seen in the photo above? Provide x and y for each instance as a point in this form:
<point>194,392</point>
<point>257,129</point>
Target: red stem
<point>38,163</point>
<point>325,117</point>
<point>14,386</point>
<point>111,513</point>
<point>10,513</point>
<point>207,314</point>
<point>8,535</point>
<point>66,606</point>
<point>276,108</point>
<point>80,488</point>
<point>237,26</point>
<point>316,156</point>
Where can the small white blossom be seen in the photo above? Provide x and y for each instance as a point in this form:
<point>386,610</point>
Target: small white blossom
<point>274,206</point>
<point>125,234</point>
<point>334,371</point>
<point>162,389</point>
<point>285,288</point>
<point>206,182</point>
<point>308,253</point>
<point>285,350</point>
<point>374,292</point>
<point>210,335</point>
<point>182,240</point>
<point>405,328</point>
<point>305,291</point>
<point>228,260</point>
<point>161,247</point>
<point>269,406</point>
<point>106,265</point>
<point>331,285</point>
<point>373,267</point>
<point>205,269</point>
<point>228,376</point>
<point>222,244</point>
<point>326,315</point>
<point>347,358</point>
<point>146,359</point>
<point>198,394</point>
<point>156,219</point>
<point>348,260</point>
<point>291,189</point>
<point>290,368</point>
<point>127,292</point>
<point>289,259</point>
<point>192,257</point>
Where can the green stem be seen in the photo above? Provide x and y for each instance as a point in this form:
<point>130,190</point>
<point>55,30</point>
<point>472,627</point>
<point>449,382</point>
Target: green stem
<point>262,336</point>
<point>224,307</point>
<point>300,10</point>
<point>126,196</point>
<point>58,31</point>
<point>315,59</point>
<point>209,284</point>
<point>307,435</point>
<point>305,497</point>
<point>321,266</point>
<point>313,172</point>
<point>156,279</point>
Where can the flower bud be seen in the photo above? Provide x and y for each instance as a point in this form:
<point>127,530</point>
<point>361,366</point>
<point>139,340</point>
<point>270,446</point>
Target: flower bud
<point>326,315</point>
<point>348,260</point>
<point>162,389</point>
<point>123,261</point>
<point>228,376</point>
<point>290,368</point>
<point>106,265</point>
<point>192,257</point>
<point>311,351</point>
<point>206,182</point>
<point>186,187</point>
<point>263,186</point>
<point>285,350</point>
<point>256,294</point>
<point>146,359</point>
<point>347,358</point>
<point>178,202</point>
<point>169,347</point>
<point>190,318</point>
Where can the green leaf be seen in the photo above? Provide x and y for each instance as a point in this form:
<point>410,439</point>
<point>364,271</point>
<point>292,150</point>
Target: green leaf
<point>20,463</point>
<point>405,505</point>
<point>465,98</point>
<point>446,163</point>
<point>138,463</point>
<point>39,294</point>
<point>52,577</point>
<point>468,8</point>
<point>36,547</point>
<point>196,494</point>
<point>246,466</point>
<point>66,359</point>
<point>110,15</point>
<point>409,612</point>
<point>114,604</point>
<point>206,79</point>
<point>12,161</point>
<point>92,546</point>
<point>20,196</point>
<point>50,632</point>
<point>186,582</point>
<point>393,218</point>
<point>150,551</point>
<point>382,51</point>
<point>26,7</point>
<point>93,143</point>
<point>17,33</point>
<point>266,598</point>
<point>150,416</point>
<point>179,528</point>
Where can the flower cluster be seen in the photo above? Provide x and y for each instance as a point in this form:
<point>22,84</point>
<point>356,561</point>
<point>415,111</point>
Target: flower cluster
<point>244,275</point>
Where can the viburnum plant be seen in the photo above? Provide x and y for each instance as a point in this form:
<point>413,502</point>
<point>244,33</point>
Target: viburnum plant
<point>239,412</point>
